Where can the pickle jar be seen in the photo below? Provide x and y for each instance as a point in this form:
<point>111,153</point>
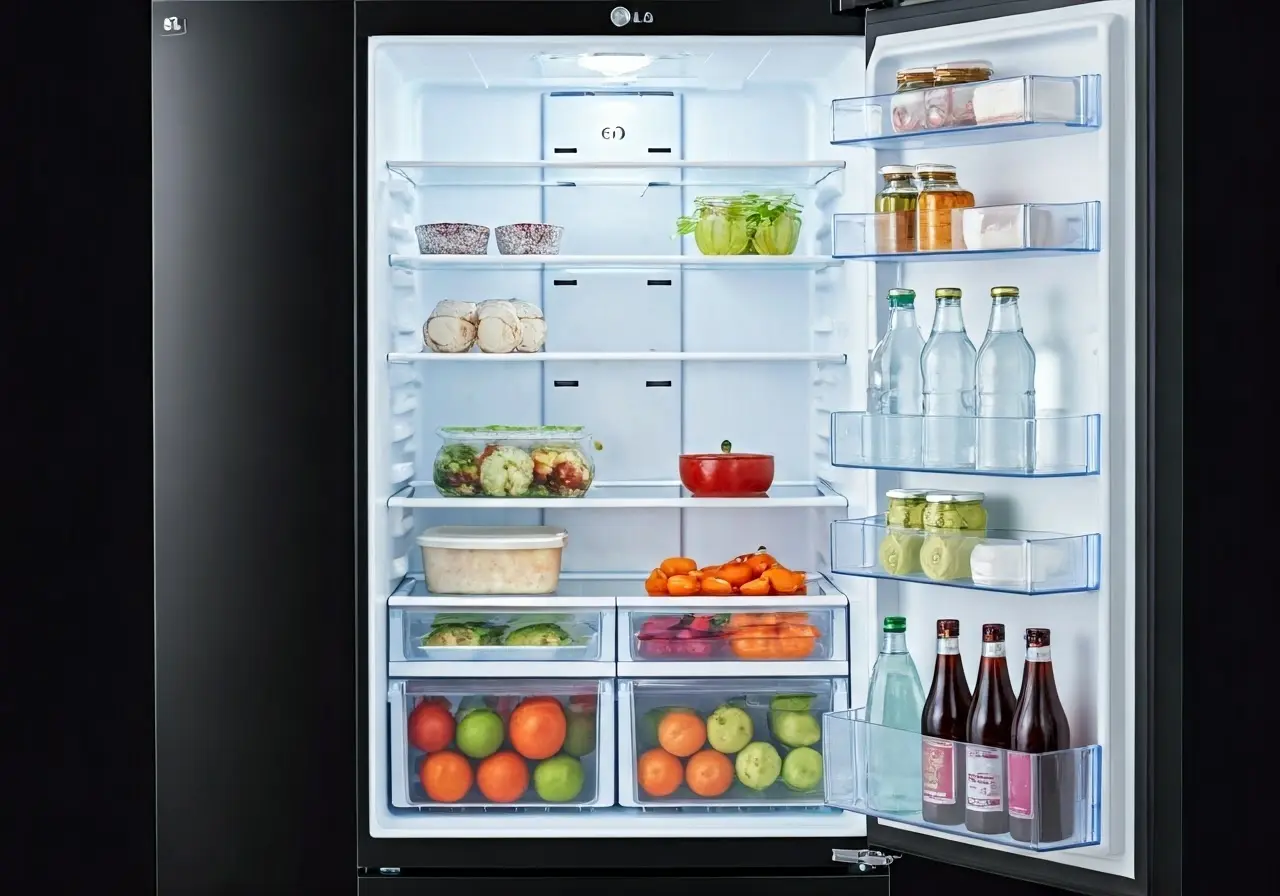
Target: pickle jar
<point>906,507</point>
<point>958,511</point>
<point>896,210</point>
<point>949,102</point>
<point>907,108</point>
<point>940,195</point>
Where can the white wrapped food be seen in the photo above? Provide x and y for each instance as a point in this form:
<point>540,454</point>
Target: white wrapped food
<point>1008,227</point>
<point>451,328</point>
<point>498,332</point>
<point>533,327</point>
<point>1006,102</point>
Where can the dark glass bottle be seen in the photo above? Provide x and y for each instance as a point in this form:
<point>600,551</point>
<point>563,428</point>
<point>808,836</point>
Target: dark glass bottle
<point>1041,791</point>
<point>946,712</point>
<point>988,733</point>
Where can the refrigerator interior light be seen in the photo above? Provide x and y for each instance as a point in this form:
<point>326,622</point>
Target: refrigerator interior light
<point>614,65</point>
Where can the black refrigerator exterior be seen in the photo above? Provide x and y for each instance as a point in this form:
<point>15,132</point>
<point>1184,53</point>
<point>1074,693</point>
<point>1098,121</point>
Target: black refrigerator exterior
<point>258,139</point>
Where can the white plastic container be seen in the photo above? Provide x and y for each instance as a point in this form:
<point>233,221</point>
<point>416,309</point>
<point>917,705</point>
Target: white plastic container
<point>492,559</point>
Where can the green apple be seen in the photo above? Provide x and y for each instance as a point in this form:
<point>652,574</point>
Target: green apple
<point>802,769</point>
<point>479,733</point>
<point>558,779</point>
<point>758,765</point>
<point>729,729</point>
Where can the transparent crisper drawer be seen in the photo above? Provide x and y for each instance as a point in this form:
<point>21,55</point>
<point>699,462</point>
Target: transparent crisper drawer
<point>495,744</point>
<point>720,635</point>
<point>1031,228</point>
<point>566,633</point>
<point>1010,560</point>
<point>1054,446</point>
<point>1003,109</point>
<point>1051,801</point>
<point>725,730</point>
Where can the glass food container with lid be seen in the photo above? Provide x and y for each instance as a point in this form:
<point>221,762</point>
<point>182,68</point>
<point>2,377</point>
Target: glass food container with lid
<point>949,102</point>
<point>514,461</point>
<point>899,550</point>
<point>955,523</point>
<point>907,108</point>
<point>940,195</point>
<point>896,210</point>
<point>906,507</point>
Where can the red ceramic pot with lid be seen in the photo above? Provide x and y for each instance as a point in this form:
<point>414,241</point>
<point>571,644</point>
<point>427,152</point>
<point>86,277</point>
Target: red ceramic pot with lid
<point>728,474</point>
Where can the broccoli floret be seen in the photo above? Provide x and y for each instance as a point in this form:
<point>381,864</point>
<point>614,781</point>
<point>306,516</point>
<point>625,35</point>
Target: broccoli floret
<point>453,635</point>
<point>542,634</point>
<point>506,471</point>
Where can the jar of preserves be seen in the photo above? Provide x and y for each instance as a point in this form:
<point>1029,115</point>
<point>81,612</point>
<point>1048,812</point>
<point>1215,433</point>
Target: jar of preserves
<point>896,210</point>
<point>949,103</point>
<point>907,108</point>
<point>955,523</point>
<point>906,507</point>
<point>940,195</point>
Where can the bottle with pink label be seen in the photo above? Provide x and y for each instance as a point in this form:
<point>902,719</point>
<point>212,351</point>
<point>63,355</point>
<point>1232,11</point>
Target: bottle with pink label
<point>943,725</point>
<point>988,734</point>
<point>1041,788</point>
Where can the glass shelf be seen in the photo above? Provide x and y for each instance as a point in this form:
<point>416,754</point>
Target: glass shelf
<point>1049,447</point>
<point>1054,799</point>
<point>1026,229</point>
<point>1014,561</point>
<point>1005,109</point>
<point>478,357</point>
<point>656,172</point>
<point>617,495</point>
<point>417,263</point>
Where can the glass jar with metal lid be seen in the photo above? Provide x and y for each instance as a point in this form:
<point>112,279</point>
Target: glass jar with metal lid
<point>940,196</point>
<point>949,102</point>
<point>906,507</point>
<point>907,108</point>
<point>958,511</point>
<point>896,210</point>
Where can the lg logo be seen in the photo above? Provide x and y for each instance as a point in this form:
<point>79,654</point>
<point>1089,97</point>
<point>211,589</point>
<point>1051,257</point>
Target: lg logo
<point>621,16</point>
<point>174,25</point>
<point>614,133</point>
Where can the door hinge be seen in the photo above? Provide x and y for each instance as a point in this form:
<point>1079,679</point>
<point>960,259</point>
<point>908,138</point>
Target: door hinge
<point>389,871</point>
<point>864,859</point>
<point>859,7</point>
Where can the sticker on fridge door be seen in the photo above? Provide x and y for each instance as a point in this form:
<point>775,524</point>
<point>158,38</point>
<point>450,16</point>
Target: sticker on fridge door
<point>939,770</point>
<point>173,26</point>
<point>1021,794</point>
<point>984,780</point>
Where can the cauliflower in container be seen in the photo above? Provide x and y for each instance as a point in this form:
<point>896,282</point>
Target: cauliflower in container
<point>505,471</point>
<point>514,461</point>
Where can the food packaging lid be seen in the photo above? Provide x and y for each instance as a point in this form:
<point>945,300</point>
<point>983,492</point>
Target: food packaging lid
<point>954,497</point>
<point>906,494</point>
<point>499,433</point>
<point>494,538</point>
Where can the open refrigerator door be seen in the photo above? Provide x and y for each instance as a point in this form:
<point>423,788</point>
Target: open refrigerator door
<point>606,280</point>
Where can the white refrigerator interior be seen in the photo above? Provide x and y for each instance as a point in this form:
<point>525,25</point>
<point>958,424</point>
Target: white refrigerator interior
<point>658,350</point>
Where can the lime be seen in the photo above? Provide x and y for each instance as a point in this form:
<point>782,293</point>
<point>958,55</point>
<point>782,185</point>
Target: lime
<point>479,733</point>
<point>558,779</point>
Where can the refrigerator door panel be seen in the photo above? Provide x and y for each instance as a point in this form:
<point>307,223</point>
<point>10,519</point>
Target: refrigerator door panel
<point>1117,671</point>
<point>254,400</point>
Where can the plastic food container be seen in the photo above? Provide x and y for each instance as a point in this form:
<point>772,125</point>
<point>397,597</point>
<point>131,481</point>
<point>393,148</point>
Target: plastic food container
<point>514,462</point>
<point>492,559</point>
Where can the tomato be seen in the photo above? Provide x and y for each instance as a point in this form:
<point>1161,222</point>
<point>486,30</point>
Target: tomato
<point>446,777</point>
<point>503,777</point>
<point>431,725</point>
<point>538,728</point>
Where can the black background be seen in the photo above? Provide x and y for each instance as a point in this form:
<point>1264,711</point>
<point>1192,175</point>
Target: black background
<point>79,686</point>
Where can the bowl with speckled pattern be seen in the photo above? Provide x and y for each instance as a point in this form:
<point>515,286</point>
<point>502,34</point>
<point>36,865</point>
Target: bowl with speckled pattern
<point>529,239</point>
<point>452,239</point>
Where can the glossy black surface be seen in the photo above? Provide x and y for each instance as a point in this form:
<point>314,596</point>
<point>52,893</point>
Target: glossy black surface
<point>254,448</point>
<point>1158,626</point>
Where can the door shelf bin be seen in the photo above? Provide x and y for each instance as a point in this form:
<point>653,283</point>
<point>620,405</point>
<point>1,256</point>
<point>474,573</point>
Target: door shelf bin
<point>1026,229</point>
<point>1008,560</point>
<point>735,636</point>
<point>1058,795</point>
<point>1006,109</point>
<point>644,703</point>
<point>588,706</point>
<point>1055,446</point>
<point>499,628</point>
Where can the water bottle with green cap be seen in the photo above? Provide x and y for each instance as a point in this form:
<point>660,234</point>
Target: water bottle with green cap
<point>895,703</point>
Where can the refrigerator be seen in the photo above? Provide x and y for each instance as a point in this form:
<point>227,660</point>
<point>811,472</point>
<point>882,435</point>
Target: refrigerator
<point>397,241</point>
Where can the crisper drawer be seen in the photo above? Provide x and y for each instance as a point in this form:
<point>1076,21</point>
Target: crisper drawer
<point>734,636</point>
<point>725,743</point>
<point>447,636</point>
<point>499,744</point>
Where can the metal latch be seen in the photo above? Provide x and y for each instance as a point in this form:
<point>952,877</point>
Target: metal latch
<point>863,858</point>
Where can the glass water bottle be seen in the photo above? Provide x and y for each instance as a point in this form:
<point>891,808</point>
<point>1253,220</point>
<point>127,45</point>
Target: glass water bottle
<point>947,367</point>
<point>894,387</point>
<point>1006,388</point>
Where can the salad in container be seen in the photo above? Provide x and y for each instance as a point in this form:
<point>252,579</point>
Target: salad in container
<point>747,224</point>
<point>514,461</point>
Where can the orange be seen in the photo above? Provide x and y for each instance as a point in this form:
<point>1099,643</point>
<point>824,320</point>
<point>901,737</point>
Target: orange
<point>445,776</point>
<point>709,773</point>
<point>682,733</point>
<point>537,728</point>
<point>503,777</point>
<point>659,773</point>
